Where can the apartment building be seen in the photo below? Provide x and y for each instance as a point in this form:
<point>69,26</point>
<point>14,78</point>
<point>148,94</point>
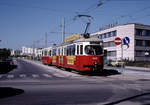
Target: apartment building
<point>137,50</point>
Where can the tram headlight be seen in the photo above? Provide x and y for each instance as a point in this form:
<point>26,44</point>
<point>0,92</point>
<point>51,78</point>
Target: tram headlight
<point>95,63</point>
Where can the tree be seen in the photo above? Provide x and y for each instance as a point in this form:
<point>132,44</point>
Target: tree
<point>4,54</point>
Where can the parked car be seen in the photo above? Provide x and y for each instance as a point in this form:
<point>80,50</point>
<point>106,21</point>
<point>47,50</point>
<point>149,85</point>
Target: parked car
<point>116,63</point>
<point>7,65</point>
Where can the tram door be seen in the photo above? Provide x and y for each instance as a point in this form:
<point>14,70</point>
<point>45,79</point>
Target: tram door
<point>79,53</point>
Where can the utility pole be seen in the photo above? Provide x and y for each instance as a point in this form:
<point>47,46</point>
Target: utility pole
<point>45,39</point>
<point>63,30</point>
<point>33,50</point>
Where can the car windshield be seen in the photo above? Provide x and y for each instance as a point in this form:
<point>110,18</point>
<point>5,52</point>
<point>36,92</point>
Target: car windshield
<point>93,50</point>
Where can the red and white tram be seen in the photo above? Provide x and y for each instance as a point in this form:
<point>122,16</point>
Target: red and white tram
<point>47,56</point>
<point>85,54</point>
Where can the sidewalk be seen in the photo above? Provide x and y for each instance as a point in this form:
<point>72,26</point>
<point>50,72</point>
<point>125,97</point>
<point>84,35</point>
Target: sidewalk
<point>132,68</point>
<point>138,68</point>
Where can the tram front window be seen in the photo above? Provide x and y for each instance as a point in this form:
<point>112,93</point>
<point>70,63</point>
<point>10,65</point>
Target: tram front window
<point>93,50</point>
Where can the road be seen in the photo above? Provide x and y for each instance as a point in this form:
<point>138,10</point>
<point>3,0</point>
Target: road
<point>32,83</point>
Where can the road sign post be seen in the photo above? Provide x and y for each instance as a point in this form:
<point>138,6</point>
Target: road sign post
<point>118,41</point>
<point>124,41</point>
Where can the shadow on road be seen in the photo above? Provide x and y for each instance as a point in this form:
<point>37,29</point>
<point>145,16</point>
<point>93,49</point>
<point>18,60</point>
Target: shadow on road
<point>137,98</point>
<point>6,69</point>
<point>8,92</point>
<point>101,73</point>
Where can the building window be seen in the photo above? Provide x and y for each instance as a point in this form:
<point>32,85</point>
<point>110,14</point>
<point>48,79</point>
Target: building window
<point>142,43</point>
<point>141,53</point>
<point>100,36</point>
<point>138,42</point>
<point>138,32</point>
<point>114,33</point>
<point>142,32</point>
<point>147,43</point>
<point>148,32</point>
<point>105,35</point>
<point>138,53</point>
<point>111,53</point>
<point>109,44</point>
<point>109,34</point>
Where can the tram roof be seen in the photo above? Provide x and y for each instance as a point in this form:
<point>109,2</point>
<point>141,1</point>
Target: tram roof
<point>82,40</point>
<point>88,40</point>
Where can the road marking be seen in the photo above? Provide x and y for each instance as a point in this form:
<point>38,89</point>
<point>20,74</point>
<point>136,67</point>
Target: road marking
<point>58,75</point>
<point>35,75</point>
<point>47,75</point>
<point>10,76</point>
<point>22,75</point>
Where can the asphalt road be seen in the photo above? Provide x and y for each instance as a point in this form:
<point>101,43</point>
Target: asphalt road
<point>35,84</point>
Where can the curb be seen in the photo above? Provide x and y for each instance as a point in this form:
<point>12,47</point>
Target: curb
<point>138,68</point>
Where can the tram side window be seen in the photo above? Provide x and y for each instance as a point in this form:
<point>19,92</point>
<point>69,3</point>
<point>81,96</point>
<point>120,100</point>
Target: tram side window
<point>77,49</point>
<point>58,52</point>
<point>62,51</point>
<point>50,53</point>
<point>42,53</point>
<point>68,50</point>
<point>71,50</point>
<point>65,51</point>
<point>45,53</point>
<point>54,52</point>
<point>81,49</point>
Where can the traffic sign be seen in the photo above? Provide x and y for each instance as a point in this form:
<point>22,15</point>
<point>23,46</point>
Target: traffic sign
<point>126,41</point>
<point>118,41</point>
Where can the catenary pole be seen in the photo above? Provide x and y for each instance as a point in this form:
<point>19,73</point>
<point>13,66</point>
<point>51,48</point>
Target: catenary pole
<point>63,30</point>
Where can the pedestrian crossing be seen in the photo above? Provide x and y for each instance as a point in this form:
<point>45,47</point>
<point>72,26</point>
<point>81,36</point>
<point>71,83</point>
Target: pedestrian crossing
<point>11,76</point>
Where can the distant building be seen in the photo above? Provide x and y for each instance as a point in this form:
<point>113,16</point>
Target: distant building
<point>15,52</point>
<point>139,46</point>
<point>32,52</point>
<point>27,50</point>
<point>38,52</point>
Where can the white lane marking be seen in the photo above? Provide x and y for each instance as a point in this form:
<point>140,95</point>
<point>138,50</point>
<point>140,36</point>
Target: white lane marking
<point>10,76</point>
<point>58,75</point>
<point>46,75</point>
<point>35,75</point>
<point>22,75</point>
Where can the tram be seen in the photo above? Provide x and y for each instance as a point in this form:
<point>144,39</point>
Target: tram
<point>85,54</point>
<point>78,53</point>
<point>47,56</point>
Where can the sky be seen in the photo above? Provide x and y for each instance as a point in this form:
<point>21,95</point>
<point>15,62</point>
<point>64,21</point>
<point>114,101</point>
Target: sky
<point>25,22</point>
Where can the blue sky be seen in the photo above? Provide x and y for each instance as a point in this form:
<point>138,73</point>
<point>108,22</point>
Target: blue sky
<point>24,22</point>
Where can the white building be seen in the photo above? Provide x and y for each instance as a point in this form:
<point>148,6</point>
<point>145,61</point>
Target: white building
<point>27,50</point>
<point>34,52</point>
<point>139,46</point>
<point>38,52</point>
<point>15,52</point>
